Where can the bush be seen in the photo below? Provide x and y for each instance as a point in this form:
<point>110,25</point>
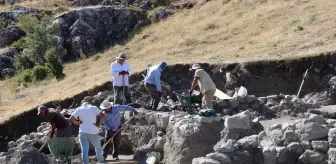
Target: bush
<point>23,62</point>
<point>2,23</point>
<point>54,64</point>
<point>41,73</point>
<point>19,43</point>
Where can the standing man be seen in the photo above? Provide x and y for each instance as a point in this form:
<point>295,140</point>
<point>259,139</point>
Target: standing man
<point>153,83</point>
<point>207,86</point>
<point>111,126</point>
<point>86,117</point>
<point>120,71</point>
<point>59,124</point>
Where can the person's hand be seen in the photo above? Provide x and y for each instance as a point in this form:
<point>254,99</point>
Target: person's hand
<point>135,112</point>
<point>159,94</point>
<point>191,91</point>
<point>78,122</point>
<point>126,73</point>
<point>121,73</point>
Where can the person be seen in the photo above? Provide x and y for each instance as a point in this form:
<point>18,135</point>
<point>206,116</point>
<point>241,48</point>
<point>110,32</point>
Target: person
<point>59,124</point>
<point>120,71</point>
<point>86,117</point>
<point>111,125</point>
<point>206,85</point>
<point>153,83</point>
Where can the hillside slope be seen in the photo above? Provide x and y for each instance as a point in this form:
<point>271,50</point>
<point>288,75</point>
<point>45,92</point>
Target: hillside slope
<point>212,32</point>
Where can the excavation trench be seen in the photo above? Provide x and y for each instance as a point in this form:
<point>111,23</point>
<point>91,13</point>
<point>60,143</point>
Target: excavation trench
<point>261,78</point>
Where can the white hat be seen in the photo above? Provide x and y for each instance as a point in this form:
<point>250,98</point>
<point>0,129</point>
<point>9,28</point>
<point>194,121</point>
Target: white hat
<point>121,56</point>
<point>195,66</point>
<point>106,104</point>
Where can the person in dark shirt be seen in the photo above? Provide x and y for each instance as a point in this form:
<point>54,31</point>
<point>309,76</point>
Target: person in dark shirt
<point>59,123</point>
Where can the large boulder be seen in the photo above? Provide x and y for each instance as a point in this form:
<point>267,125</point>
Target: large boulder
<point>204,160</point>
<point>9,35</point>
<point>88,29</point>
<point>311,131</point>
<point>29,155</point>
<point>311,157</point>
<point>18,11</point>
<point>188,139</point>
<point>160,14</point>
<point>86,2</point>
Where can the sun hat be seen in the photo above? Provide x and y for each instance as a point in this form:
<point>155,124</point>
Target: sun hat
<point>195,66</point>
<point>163,65</point>
<point>106,104</point>
<point>40,108</point>
<point>121,56</point>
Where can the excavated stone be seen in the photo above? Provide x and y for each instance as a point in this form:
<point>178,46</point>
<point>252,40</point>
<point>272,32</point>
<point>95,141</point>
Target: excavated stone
<point>317,118</point>
<point>203,160</point>
<point>321,146</point>
<point>311,157</point>
<point>295,147</point>
<point>332,137</point>
<point>332,154</point>
<point>225,146</point>
<point>311,131</point>
<point>270,155</point>
<point>238,122</point>
<point>222,158</point>
<point>248,142</point>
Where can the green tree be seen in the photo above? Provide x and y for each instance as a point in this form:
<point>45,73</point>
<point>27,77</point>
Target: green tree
<point>23,62</point>
<point>54,63</point>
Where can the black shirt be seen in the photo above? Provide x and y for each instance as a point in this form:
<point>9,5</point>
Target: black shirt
<point>55,117</point>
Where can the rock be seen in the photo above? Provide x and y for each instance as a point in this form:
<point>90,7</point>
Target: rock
<point>187,140</point>
<point>317,118</point>
<point>332,137</point>
<point>12,2</point>
<point>161,120</point>
<point>275,126</point>
<point>273,138</point>
<point>332,154</point>
<point>159,145</point>
<point>18,11</point>
<point>161,14</point>
<point>262,135</point>
<point>9,35</point>
<point>222,158</point>
<point>250,141</point>
<point>321,146</point>
<point>84,29</point>
<point>225,146</point>
<point>26,144</point>
<point>311,131</point>
<point>30,156</point>
<point>295,147</point>
<point>283,155</point>
<point>12,144</point>
<point>234,103</point>
<point>290,136</point>
<point>311,157</point>
<point>238,122</point>
<point>200,119</point>
<point>7,72</point>
<point>241,157</point>
<point>203,160</point>
<point>270,155</point>
<point>86,2</point>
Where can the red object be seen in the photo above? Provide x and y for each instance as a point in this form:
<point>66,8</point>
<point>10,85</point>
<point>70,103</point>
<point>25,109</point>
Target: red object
<point>123,73</point>
<point>159,94</point>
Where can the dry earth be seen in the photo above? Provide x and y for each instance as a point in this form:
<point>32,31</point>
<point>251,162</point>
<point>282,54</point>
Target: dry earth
<point>212,32</point>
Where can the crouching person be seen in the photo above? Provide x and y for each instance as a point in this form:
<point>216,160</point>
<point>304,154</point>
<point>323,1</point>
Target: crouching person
<point>59,124</point>
<point>85,116</point>
<point>112,125</point>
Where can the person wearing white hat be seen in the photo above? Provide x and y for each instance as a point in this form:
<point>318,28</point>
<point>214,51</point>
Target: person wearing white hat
<point>206,85</point>
<point>120,71</point>
<point>112,124</point>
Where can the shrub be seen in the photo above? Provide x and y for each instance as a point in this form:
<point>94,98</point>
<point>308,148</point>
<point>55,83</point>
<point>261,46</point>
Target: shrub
<point>23,62</point>
<point>2,23</point>
<point>41,73</point>
<point>300,28</point>
<point>19,43</point>
<point>54,64</point>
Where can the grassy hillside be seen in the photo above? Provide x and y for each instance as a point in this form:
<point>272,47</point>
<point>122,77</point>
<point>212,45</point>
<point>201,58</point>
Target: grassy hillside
<point>213,32</point>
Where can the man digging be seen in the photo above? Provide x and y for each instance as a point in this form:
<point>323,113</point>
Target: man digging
<point>120,71</point>
<point>206,85</point>
<point>112,125</point>
<point>59,124</point>
<point>153,84</point>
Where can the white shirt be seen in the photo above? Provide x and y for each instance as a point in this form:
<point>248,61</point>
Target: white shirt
<point>88,115</point>
<point>204,81</point>
<point>118,79</point>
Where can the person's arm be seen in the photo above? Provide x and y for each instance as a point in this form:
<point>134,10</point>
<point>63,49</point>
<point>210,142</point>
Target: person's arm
<point>52,131</point>
<point>73,118</point>
<point>114,73</point>
<point>194,83</point>
<point>157,81</point>
<point>100,116</point>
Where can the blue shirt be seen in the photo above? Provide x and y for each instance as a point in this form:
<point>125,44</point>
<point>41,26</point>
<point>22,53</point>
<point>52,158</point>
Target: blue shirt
<point>153,77</point>
<point>112,119</point>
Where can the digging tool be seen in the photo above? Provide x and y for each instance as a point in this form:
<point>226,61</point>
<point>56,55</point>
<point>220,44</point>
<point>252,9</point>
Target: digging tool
<point>45,143</point>
<point>124,98</point>
<point>105,144</point>
<point>303,80</point>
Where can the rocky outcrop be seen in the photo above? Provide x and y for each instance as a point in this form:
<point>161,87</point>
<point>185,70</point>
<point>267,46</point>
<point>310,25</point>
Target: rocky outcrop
<point>160,14</point>
<point>89,29</point>
<point>9,35</point>
<point>17,11</point>
<point>7,62</point>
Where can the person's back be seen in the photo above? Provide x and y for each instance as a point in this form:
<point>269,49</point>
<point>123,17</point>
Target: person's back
<point>88,115</point>
<point>152,72</point>
<point>54,116</point>
<point>205,82</point>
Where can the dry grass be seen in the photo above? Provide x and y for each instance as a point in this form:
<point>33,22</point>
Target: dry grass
<point>214,32</point>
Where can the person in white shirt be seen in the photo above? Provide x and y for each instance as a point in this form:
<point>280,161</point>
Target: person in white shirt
<point>206,85</point>
<point>120,71</point>
<point>86,117</point>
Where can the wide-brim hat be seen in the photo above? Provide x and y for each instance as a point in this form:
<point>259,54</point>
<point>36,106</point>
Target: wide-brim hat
<point>121,56</point>
<point>106,105</point>
<point>195,66</point>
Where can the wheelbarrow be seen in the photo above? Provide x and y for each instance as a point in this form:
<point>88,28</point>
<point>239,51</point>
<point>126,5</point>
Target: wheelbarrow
<point>61,149</point>
<point>191,102</point>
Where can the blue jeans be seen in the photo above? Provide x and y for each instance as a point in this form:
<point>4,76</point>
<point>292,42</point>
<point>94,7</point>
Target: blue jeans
<point>85,140</point>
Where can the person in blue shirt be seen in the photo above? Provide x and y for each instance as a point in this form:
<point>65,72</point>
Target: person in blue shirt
<point>111,126</point>
<point>153,83</point>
